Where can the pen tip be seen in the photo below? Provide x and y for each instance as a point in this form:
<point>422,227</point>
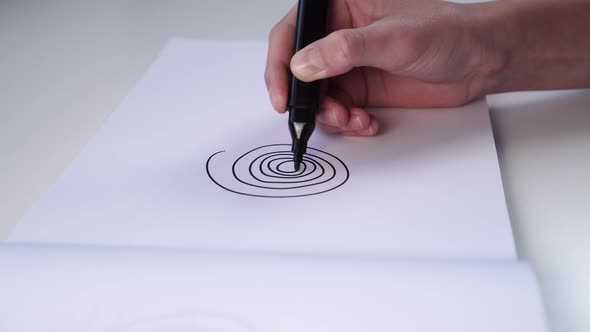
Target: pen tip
<point>297,165</point>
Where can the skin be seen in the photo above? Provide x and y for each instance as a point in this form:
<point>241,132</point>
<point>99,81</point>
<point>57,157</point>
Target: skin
<point>430,53</point>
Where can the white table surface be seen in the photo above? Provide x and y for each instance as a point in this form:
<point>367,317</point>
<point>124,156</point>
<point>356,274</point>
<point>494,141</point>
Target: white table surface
<point>65,66</point>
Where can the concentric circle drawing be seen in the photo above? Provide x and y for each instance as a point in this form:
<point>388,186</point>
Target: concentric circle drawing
<point>268,171</point>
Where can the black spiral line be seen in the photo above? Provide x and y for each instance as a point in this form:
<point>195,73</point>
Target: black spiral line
<point>313,167</point>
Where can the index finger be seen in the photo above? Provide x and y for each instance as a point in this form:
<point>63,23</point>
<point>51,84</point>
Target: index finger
<point>280,51</point>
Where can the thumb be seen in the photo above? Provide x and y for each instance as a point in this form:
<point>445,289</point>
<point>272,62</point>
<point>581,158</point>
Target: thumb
<point>333,55</point>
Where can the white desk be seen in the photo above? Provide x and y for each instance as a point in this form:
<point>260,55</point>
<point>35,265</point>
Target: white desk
<point>65,65</point>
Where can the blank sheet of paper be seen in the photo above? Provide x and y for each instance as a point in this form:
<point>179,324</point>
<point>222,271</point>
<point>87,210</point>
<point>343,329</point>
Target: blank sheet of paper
<point>72,289</point>
<point>194,157</point>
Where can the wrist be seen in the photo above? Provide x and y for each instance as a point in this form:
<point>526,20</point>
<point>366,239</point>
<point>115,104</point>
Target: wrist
<point>491,51</point>
<point>532,45</point>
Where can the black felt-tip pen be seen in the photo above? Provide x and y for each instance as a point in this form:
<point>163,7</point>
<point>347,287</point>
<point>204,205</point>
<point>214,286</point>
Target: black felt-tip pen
<point>304,97</point>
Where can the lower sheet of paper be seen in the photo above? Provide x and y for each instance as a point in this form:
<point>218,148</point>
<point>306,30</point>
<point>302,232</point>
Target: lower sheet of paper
<point>91,289</point>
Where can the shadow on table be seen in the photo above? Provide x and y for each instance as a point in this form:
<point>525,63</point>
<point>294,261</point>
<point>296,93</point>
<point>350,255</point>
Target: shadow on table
<point>550,128</point>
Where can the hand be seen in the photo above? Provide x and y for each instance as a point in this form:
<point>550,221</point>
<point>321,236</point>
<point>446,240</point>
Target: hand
<point>384,53</point>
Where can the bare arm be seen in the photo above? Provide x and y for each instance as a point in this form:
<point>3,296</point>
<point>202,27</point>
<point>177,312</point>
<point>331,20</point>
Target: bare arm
<point>546,43</point>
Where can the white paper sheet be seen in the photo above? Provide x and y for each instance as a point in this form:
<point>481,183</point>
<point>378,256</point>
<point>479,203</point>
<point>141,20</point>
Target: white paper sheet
<point>429,186</point>
<point>71,289</point>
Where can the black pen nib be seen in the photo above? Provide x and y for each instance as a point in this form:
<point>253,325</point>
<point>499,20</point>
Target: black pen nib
<point>298,153</point>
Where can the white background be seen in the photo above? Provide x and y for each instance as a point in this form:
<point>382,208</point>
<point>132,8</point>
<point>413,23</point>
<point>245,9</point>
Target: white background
<point>65,65</point>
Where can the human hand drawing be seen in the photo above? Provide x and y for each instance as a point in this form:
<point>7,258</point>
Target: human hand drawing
<point>381,53</point>
<point>430,53</point>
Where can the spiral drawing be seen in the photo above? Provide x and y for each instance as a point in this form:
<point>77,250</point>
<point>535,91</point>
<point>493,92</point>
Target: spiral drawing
<point>268,171</point>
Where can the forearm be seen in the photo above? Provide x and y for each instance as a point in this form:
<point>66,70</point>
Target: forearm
<point>541,44</point>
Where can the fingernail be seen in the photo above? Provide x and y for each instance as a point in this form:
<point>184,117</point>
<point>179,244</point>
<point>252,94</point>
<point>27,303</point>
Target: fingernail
<point>372,129</point>
<point>356,123</point>
<point>308,63</point>
<point>334,120</point>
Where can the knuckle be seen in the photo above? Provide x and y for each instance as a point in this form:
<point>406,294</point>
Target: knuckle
<point>410,45</point>
<point>349,46</point>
